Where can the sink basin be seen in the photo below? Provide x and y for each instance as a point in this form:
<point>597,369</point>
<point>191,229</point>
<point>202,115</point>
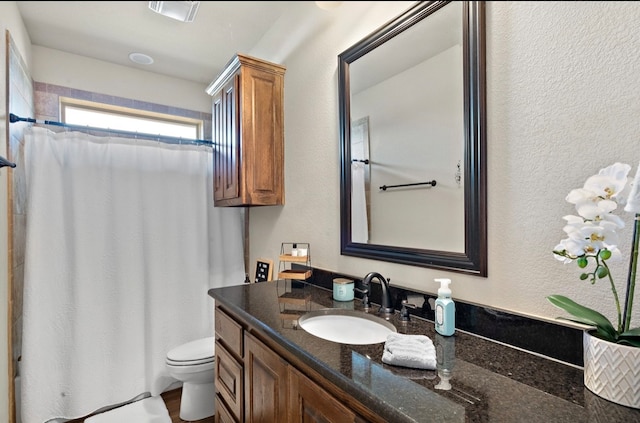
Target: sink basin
<point>346,326</point>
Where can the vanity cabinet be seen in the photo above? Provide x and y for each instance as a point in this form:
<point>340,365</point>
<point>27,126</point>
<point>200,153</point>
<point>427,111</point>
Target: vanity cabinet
<point>229,374</point>
<point>311,403</point>
<point>254,383</point>
<point>223,415</point>
<point>265,383</point>
<point>248,133</point>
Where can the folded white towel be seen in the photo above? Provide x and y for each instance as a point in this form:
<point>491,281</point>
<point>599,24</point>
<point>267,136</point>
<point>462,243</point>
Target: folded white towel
<point>415,351</point>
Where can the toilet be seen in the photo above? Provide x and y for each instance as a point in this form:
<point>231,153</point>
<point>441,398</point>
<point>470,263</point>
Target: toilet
<point>193,363</point>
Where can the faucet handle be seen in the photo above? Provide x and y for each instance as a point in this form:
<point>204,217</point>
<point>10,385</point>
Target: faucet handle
<point>365,296</point>
<point>405,303</point>
<point>363,291</point>
<point>365,301</point>
<point>404,313</point>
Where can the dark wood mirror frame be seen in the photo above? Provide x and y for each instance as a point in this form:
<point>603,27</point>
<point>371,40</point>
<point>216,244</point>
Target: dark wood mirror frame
<point>474,259</point>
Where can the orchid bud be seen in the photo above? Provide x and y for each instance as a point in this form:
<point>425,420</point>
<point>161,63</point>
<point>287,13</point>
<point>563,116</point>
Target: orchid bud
<point>582,262</point>
<point>605,254</point>
<point>601,272</point>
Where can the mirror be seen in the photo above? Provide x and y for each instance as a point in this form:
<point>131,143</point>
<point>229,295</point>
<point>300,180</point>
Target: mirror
<point>412,132</point>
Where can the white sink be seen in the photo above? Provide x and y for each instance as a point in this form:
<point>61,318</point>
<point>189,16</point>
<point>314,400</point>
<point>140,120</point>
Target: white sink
<point>346,326</point>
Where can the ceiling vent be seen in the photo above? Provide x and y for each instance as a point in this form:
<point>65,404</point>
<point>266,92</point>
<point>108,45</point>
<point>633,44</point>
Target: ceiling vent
<point>184,11</point>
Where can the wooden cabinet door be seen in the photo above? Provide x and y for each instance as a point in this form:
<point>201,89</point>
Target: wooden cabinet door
<point>229,333</point>
<point>262,128</point>
<point>232,139</point>
<point>226,142</point>
<point>223,415</point>
<point>218,150</point>
<point>265,383</point>
<point>229,381</point>
<point>310,403</point>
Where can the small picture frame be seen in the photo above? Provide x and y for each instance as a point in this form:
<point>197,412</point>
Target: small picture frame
<point>264,270</point>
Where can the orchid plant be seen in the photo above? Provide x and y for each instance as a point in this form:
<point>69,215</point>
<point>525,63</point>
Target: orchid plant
<point>592,241</point>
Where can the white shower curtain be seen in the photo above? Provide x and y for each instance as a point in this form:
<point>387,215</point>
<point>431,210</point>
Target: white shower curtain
<point>359,219</point>
<point>122,244</point>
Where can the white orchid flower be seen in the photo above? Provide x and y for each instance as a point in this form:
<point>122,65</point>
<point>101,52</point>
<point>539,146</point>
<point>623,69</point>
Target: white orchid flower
<point>594,229</point>
<point>596,211</point>
<point>572,219</point>
<point>613,219</point>
<point>582,196</point>
<point>575,225</point>
<point>592,241</point>
<point>596,214</point>
<point>633,203</point>
<point>573,248</point>
<point>617,171</point>
<point>610,181</point>
<point>591,237</point>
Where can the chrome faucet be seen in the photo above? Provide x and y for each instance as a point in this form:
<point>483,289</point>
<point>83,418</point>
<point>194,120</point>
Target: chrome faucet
<point>387,303</point>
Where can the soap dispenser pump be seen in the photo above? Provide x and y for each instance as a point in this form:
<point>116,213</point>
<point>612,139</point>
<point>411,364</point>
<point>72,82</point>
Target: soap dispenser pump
<point>445,321</point>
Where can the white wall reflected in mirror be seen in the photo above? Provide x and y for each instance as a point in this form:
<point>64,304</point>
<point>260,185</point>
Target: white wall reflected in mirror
<point>413,101</point>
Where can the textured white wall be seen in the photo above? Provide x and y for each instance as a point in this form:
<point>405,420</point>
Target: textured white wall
<point>430,126</point>
<point>562,101</point>
<point>84,73</point>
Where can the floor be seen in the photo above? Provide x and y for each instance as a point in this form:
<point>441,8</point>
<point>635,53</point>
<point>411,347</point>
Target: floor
<point>172,400</point>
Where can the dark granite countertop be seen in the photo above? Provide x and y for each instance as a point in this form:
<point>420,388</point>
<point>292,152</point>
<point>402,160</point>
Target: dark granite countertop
<point>490,381</point>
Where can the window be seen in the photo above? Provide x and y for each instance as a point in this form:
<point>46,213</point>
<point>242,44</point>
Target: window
<point>98,115</point>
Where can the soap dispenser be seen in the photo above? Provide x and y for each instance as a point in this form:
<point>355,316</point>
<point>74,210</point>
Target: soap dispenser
<point>445,380</point>
<point>445,320</point>
<point>445,359</point>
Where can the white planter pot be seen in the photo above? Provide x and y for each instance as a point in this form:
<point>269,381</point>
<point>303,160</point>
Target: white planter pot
<point>612,371</point>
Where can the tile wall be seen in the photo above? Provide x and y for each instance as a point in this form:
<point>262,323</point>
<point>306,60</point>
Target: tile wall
<point>20,102</point>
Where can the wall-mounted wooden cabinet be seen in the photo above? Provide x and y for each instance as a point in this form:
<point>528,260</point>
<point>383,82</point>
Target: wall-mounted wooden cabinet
<point>248,133</point>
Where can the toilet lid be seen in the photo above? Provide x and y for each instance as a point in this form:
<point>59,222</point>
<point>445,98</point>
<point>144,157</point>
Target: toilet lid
<point>198,350</point>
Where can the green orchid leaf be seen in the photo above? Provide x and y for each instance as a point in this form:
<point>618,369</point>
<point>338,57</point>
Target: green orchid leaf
<point>631,333</point>
<point>585,316</point>
<point>597,331</point>
<point>630,337</point>
<point>632,342</point>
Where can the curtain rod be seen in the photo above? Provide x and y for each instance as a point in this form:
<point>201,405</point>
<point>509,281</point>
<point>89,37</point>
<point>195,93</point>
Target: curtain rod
<point>14,118</point>
<point>4,162</point>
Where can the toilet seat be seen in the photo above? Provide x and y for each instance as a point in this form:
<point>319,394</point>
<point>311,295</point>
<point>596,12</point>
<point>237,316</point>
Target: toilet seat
<point>194,365</point>
<point>200,351</point>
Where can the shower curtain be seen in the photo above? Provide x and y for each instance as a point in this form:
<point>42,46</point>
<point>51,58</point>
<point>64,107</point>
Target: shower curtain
<point>360,151</point>
<point>122,244</point>
<point>359,219</point>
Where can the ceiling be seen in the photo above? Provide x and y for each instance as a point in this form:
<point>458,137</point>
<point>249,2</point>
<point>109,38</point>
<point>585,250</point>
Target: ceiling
<point>111,30</point>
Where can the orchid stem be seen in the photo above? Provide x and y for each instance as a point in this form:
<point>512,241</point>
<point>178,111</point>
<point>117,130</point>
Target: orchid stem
<point>631,280</point>
<point>615,296</point>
